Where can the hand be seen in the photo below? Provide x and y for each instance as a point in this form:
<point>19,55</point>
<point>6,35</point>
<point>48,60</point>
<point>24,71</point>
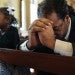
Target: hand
<point>37,26</point>
<point>33,40</point>
<point>47,37</point>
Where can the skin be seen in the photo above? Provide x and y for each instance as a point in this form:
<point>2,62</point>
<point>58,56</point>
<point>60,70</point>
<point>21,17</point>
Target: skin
<point>4,22</point>
<point>45,31</point>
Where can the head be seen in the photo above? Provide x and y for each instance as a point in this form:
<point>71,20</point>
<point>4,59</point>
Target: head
<point>6,17</point>
<point>56,11</point>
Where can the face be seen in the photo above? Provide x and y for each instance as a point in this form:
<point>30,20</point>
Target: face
<point>2,20</point>
<point>60,26</point>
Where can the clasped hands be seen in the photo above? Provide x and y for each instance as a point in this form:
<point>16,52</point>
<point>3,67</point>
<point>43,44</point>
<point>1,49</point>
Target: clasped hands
<point>41,32</point>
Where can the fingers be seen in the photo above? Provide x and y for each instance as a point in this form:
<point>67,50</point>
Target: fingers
<point>40,24</point>
<point>36,29</point>
<point>37,23</point>
<point>46,21</point>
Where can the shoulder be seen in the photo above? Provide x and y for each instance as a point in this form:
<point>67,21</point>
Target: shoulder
<point>72,31</point>
<point>14,29</point>
<point>73,19</point>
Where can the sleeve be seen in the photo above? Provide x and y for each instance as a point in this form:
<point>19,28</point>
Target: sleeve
<point>23,46</point>
<point>63,48</point>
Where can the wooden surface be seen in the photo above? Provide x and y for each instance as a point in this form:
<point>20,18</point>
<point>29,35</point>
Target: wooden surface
<point>50,63</point>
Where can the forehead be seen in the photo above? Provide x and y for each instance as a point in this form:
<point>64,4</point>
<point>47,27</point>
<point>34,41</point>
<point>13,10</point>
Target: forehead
<point>54,17</point>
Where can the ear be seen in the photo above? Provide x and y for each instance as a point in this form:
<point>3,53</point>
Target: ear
<point>67,19</point>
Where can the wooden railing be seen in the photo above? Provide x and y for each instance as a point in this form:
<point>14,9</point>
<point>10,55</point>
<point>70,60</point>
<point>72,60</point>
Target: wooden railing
<point>57,64</point>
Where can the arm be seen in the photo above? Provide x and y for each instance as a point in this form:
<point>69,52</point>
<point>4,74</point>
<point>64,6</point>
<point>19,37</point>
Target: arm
<point>59,46</point>
<point>47,39</point>
<point>37,26</point>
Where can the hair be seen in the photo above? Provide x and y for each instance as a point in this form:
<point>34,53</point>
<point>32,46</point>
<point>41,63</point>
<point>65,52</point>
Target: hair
<point>71,11</point>
<point>8,16</point>
<point>46,7</point>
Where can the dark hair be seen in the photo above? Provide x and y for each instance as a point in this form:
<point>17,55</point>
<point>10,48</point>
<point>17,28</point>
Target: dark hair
<point>71,11</point>
<point>7,14</point>
<point>48,6</point>
<point>40,10</point>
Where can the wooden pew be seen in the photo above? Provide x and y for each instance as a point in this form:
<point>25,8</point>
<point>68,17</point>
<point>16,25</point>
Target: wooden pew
<point>57,64</point>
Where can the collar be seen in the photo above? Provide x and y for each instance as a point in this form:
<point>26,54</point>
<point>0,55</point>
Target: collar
<point>68,32</point>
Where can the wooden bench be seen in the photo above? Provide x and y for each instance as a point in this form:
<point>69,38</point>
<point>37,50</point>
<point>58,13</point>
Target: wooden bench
<point>61,65</point>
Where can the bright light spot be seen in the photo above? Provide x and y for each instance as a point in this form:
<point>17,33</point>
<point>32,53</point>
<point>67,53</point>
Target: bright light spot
<point>31,70</point>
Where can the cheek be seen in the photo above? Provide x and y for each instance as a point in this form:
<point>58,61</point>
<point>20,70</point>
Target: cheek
<point>63,30</point>
<point>1,21</point>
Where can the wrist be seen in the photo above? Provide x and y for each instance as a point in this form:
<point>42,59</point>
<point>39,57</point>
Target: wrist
<point>29,46</point>
<point>53,44</point>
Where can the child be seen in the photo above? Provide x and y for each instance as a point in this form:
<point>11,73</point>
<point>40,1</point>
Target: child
<point>9,37</point>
